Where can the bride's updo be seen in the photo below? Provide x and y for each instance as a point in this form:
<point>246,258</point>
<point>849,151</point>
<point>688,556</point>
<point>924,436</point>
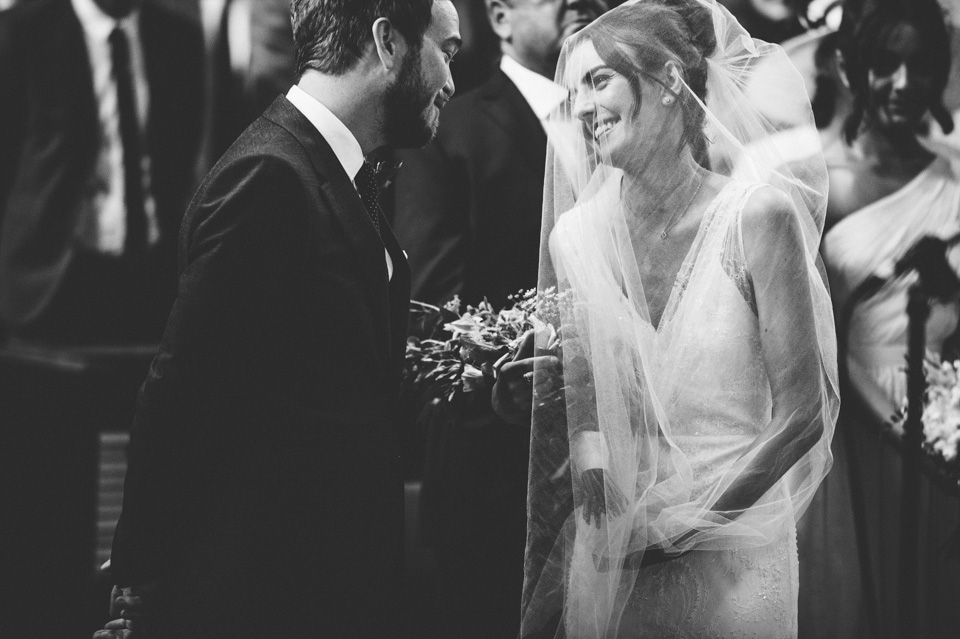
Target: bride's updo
<point>640,38</point>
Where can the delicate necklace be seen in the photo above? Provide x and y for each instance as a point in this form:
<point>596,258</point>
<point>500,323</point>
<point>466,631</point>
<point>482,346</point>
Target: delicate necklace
<point>676,218</point>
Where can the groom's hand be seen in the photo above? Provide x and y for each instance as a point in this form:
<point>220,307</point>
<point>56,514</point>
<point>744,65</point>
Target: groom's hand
<point>134,606</point>
<point>512,396</point>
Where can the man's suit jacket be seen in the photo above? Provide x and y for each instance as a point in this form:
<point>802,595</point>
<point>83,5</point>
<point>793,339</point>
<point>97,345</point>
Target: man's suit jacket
<point>263,488</point>
<point>468,206</point>
<point>49,139</point>
<point>468,211</point>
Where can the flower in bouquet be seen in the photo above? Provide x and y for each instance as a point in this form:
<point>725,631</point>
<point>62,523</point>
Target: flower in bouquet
<point>941,409</point>
<point>457,350</point>
<point>941,412</point>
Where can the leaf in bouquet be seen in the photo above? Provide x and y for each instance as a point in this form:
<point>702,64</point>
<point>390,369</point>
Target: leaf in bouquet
<point>478,353</point>
<point>424,320</point>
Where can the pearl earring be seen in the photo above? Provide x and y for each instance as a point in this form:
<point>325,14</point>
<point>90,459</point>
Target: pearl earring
<point>667,100</point>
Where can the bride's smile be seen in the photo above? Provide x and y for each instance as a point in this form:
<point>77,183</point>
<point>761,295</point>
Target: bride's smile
<point>624,128</point>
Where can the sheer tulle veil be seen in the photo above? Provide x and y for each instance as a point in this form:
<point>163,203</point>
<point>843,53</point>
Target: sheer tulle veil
<point>637,390</point>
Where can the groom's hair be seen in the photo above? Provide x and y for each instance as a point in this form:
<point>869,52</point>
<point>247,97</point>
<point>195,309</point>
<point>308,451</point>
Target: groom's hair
<point>330,35</point>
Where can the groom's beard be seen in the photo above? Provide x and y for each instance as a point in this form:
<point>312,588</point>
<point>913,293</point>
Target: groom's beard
<point>407,103</point>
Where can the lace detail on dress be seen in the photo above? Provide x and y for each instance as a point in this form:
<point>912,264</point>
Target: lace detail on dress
<point>749,593</point>
<point>732,257</point>
<point>712,217</point>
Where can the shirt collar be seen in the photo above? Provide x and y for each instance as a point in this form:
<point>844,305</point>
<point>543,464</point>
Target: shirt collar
<point>542,94</point>
<point>99,25</point>
<point>335,132</point>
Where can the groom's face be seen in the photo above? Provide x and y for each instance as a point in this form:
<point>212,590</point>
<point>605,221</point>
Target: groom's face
<point>424,83</point>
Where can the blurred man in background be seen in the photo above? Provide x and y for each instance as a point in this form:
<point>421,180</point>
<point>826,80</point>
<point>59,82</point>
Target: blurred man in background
<point>99,125</point>
<point>100,118</point>
<point>468,211</point>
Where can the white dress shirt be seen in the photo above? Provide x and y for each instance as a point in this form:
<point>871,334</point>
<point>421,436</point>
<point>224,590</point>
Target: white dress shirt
<point>545,97</point>
<point>337,135</point>
<point>103,212</point>
<point>541,93</point>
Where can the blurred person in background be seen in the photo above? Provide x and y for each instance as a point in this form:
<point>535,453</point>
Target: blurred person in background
<point>250,61</point>
<point>887,190</point>
<point>99,126</point>
<point>768,20</point>
<point>100,120</point>
<point>468,211</point>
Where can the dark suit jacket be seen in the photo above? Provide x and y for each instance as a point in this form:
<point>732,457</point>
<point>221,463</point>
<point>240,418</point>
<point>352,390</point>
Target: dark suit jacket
<point>49,139</point>
<point>468,206</point>
<point>263,488</point>
<point>468,211</point>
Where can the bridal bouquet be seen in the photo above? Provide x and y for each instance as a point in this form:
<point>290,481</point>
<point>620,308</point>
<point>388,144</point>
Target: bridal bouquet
<point>941,410</point>
<point>453,350</point>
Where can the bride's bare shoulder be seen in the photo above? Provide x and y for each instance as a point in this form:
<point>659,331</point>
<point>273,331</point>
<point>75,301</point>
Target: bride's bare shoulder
<point>767,205</point>
<point>769,216</point>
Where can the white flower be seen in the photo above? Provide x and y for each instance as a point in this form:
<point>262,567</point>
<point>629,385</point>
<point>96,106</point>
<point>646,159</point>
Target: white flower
<point>466,324</point>
<point>472,378</point>
<point>941,411</point>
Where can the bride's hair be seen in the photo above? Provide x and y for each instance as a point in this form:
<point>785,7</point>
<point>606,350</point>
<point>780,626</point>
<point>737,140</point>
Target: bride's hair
<point>639,39</point>
<point>860,40</point>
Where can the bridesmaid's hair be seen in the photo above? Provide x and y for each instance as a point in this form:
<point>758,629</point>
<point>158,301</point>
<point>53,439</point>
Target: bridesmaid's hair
<point>824,102</point>
<point>860,40</point>
<point>638,40</point>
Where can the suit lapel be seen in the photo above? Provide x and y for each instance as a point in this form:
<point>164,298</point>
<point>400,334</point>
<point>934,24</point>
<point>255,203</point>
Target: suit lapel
<point>506,106</point>
<point>337,188</point>
<point>399,294</point>
<point>335,185</point>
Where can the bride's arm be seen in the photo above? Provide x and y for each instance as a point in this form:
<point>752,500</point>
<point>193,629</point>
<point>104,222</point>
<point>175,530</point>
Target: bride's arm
<point>792,333</point>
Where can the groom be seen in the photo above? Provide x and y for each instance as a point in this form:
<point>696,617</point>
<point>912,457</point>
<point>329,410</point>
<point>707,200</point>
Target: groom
<point>263,496</point>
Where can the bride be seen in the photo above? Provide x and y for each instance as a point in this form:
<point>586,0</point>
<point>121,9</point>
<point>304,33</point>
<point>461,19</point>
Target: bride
<point>692,419</point>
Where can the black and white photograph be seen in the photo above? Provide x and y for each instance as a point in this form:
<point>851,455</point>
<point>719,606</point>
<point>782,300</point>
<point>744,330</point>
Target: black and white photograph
<point>479,319</point>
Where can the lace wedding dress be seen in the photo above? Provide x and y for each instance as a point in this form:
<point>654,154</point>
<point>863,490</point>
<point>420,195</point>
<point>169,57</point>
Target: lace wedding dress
<point>671,455</point>
<point>717,413</point>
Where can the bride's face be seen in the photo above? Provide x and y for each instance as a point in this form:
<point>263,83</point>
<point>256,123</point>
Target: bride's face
<point>624,128</point>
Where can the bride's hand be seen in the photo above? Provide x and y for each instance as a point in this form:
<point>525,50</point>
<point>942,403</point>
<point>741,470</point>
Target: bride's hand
<point>654,555</point>
<point>650,557</point>
<point>512,396</point>
<point>116,629</point>
<point>601,496</point>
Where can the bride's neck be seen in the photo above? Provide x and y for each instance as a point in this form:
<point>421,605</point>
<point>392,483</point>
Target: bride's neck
<point>657,191</point>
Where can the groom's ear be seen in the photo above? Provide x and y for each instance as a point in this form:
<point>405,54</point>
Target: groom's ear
<point>389,45</point>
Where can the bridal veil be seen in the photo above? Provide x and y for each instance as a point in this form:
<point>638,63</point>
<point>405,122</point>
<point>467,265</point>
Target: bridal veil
<point>639,397</point>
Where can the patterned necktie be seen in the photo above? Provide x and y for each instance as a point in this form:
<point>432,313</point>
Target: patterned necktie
<point>368,185</point>
<point>133,195</point>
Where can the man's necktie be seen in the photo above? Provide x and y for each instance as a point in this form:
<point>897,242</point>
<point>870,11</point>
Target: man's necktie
<point>133,195</point>
<point>368,185</point>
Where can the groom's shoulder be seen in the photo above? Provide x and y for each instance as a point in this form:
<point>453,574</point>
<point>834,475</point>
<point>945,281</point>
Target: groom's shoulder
<point>264,164</point>
<point>264,146</point>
